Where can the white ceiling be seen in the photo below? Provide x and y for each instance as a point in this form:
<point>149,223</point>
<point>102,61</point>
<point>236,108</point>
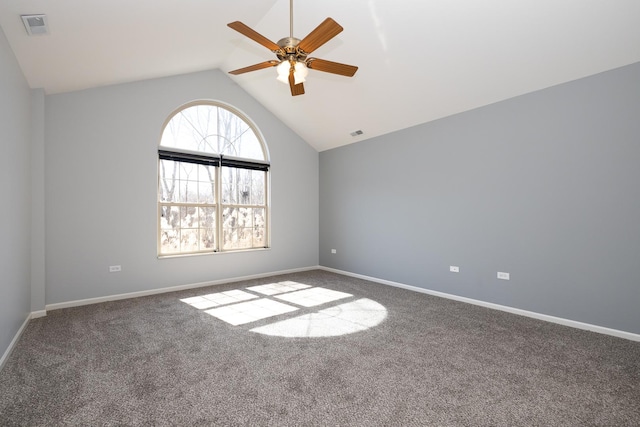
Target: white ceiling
<point>419,60</point>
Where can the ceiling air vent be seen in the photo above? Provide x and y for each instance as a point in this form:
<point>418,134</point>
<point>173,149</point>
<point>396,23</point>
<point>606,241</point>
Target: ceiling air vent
<point>35,24</point>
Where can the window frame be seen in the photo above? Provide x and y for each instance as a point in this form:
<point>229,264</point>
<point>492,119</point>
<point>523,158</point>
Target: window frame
<point>219,162</point>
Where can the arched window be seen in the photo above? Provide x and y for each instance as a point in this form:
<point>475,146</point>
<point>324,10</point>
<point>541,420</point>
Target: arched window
<point>213,182</point>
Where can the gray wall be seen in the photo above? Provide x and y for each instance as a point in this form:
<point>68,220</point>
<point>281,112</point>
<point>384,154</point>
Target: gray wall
<point>545,186</point>
<point>101,177</point>
<point>15,185</point>
<point>38,284</point>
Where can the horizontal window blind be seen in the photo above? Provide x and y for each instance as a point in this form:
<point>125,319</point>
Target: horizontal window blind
<point>213,160</point>
<point>244,164</point>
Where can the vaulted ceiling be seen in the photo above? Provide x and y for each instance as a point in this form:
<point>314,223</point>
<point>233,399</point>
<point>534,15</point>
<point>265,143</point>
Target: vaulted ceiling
<point>419,60</point>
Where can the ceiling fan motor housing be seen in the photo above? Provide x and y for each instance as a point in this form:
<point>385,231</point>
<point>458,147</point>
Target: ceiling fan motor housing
<point>289,50</point>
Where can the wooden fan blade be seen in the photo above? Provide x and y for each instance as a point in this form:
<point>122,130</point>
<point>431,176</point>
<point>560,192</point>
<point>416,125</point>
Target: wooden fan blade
<point>255,67</point>
<point>324,32</point>
<point>331,67</point>
<point>296,89</point>
<point>254,35</point>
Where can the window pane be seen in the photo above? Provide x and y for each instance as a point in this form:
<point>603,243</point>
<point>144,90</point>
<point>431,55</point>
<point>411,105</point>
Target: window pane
<point>244,186</point>
<point>245,238</point>
<point>257,187</point>
<point>244,228</point>
<point>188,171</point>
<point>169,241</point>
<point>212,129</point>
<point>259,237</point>
<point>169,217</point>
<point>168,171</point>
<point>245,217</point>
<point>228,129</point>
<point>238,139</point>
<point>259,223</point>
<point>230,217</point>
<point>230,227</point>
<point>188,191</point>
<point>248,146</point>
<point>207,239</point>
<point>259,219</point>
<point>189,240</point>
<point>185,170</point>
<point>206,184</point>
<point>207,217</point>
<point>229,185</point>
<point>206,192</point>
<point>193,128</point>
<point>188,216</point>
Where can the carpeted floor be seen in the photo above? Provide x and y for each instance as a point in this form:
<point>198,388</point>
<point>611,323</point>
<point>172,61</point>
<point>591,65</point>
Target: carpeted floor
<point>366,355</point>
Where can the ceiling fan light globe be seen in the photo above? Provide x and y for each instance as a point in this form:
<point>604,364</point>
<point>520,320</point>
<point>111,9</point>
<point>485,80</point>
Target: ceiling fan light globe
<point>283,72</point>
<point>300,73</point>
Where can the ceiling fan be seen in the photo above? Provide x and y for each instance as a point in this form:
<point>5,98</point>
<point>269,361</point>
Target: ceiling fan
<point>293,62</point>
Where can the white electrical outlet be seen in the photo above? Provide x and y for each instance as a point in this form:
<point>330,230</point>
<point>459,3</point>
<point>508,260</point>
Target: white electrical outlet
<point>114,268</point>
<point>502,275</point>
<point>454,269</point>
<point>333,251</point>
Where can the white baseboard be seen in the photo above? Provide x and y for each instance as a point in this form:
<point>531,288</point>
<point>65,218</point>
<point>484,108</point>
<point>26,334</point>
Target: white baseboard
<point>39,313</point>
<point>559,320</point>
<point>13,342</point>
<point>128,295</point>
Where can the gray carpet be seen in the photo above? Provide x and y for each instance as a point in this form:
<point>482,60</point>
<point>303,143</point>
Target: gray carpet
<point>431,362</point>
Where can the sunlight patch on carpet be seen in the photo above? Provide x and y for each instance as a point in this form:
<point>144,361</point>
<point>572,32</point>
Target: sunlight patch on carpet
<point>317,311</point>
<point>246,312</point>
<point>218,299</point>
<point>338,320</point>
<point>278,288</point>
<point>314,296</point>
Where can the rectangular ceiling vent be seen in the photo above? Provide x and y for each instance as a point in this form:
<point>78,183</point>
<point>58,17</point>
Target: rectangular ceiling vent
<point>35,24</point>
